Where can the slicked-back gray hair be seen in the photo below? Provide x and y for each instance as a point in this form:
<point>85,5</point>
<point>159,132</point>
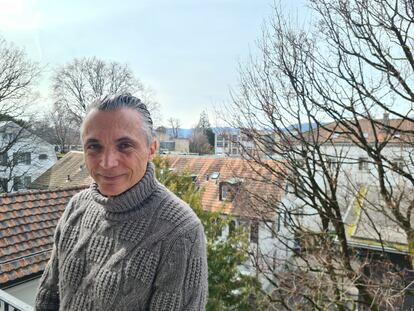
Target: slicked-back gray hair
<point>115,102</point>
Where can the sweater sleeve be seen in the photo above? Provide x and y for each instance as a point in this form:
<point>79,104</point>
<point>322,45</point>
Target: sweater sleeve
<point>181,282</point>
<point>47,297</point>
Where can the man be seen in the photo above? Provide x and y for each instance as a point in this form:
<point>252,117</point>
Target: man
<point>126,243</point>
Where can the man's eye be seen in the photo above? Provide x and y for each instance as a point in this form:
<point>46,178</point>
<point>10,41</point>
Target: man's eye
<point>93,147</point>
<point>124,146</point>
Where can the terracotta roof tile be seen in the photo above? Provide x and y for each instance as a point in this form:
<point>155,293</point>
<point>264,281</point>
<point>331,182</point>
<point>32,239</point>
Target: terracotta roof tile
<point>27,224</point>
<point>257,183</point>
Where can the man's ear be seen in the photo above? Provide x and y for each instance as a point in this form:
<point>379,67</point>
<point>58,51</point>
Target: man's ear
<point>153,149</point>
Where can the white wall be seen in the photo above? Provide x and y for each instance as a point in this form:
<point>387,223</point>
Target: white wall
<point>26,143</point>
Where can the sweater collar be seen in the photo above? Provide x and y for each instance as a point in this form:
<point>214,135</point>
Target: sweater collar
<point>130,199</point>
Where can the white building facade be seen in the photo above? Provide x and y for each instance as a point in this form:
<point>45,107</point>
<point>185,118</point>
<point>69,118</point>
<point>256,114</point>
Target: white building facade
<point>23,157</point>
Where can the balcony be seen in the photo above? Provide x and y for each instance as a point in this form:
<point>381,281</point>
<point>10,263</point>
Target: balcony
<point>11,303</point>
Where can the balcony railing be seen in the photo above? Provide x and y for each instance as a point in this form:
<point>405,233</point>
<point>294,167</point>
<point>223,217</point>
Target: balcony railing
<point>11,303</point>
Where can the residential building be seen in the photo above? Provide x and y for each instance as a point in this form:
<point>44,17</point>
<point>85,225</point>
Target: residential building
<point>23,156</point>
<point>169,144</point>
<point>243,143</point>
<point>245,191</point>
<point>342,158</point>
<point>69,171</point>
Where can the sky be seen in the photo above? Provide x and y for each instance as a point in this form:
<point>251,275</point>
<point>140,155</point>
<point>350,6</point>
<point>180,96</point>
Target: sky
<point>187,51</point>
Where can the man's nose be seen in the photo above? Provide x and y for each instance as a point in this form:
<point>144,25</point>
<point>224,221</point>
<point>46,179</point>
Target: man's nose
<point>109,159</point>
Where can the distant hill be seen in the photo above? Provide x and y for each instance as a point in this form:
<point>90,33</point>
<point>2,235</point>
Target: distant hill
<point>186,133</point>
<point>182,133</point>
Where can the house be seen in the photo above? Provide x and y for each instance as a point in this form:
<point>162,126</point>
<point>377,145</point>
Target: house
<point>69,171</point>
<point>340,164</point>
<point>242,143</point>
<point>245,191</point>
<point>169,144</point>
<point>23,156</point>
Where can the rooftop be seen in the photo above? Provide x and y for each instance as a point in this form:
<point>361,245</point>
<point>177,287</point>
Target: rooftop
<point>27,224</point>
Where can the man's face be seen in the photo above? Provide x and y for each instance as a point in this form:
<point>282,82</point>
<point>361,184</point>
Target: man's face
<point>116,150</point>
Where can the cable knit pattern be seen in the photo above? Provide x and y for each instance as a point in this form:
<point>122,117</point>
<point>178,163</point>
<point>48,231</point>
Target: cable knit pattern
<point>142,250</point>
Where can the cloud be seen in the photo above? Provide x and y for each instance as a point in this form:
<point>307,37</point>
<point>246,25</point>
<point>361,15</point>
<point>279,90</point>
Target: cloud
<point>18,15</point>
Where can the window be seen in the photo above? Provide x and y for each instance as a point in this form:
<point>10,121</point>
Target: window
<point>363,164</point>
<point>167,145</point>
<point>331,163</point>
<point>224,191</point>
<point>3,184</point>
<point>218,227</point>
<point>17,183</point>
<point>232,226</point>
<point>220,144</point>
<point>234,151</point>
<point>398,163</point>
<point>254,231</point>
<point>234,138</point>
<point>3,159</point>
<point>214,175</point>
<point>43,156</point>
<point>220,137</point>
<point>24,158</point>
<point>27,180</point>
<point>9,136</point>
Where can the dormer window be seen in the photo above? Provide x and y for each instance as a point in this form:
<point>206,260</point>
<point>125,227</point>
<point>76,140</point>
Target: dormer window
<point>228,189</point>
<point>215,175</point>
<point>223,192</point>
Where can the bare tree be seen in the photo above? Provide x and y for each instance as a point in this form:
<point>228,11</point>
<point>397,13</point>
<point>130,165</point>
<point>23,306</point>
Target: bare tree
<point>18,77</point>
<point>175,125</point>
<point>199,142</point>
<point>334,105</point>
<point>17,80</point>
<point>82,80</point>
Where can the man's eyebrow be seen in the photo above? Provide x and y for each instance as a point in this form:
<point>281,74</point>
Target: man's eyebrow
<point>125,139</point>
<point>91,141</point>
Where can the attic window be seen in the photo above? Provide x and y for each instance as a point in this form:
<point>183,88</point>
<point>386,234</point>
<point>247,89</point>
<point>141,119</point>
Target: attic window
<point>228,189</point>
<point>43,156</point>
<point>224,191</point>
<point>215,175</point>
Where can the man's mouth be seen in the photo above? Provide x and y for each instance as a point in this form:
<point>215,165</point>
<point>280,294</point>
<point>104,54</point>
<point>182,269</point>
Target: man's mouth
<point>110,177</point>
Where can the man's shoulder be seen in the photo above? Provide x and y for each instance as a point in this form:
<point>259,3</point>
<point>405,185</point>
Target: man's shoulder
<point>175,211</point>
<point>82,195</point>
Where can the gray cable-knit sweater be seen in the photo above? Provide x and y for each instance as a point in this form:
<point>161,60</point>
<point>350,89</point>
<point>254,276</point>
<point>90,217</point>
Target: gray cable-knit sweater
<point>142,250</point>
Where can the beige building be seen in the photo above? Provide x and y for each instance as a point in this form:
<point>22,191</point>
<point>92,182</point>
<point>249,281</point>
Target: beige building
<point>168,144</point>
